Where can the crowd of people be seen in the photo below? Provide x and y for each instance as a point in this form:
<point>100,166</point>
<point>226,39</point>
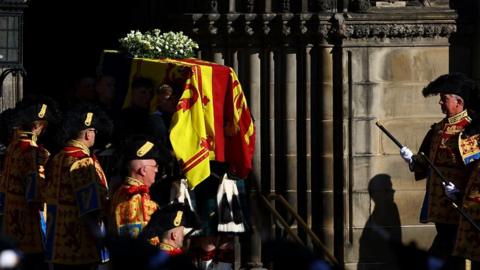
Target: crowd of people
<point>86,184</point>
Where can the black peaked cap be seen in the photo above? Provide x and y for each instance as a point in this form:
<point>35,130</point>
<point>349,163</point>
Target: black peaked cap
<point>169,217</point>
<point>35,108</point>
<point>83,116</point>
<point>144,147</point>
<point>455,83</point>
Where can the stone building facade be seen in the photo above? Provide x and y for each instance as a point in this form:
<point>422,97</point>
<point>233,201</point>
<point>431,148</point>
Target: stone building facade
<point>318,75</point>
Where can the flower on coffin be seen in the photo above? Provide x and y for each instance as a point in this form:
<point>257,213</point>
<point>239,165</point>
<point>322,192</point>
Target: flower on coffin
<point>154,44</point>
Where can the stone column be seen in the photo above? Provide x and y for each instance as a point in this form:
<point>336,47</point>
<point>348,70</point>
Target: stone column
<point>321,149</point>
<point>290,125</point>
<point>231,6</point>
<point>305,138</point>
<point>254,101</point>
<point>268,6</point>
<point>339,144</point>
<point>270,73</point>
<point>218,56</point>
<point>255,98</point>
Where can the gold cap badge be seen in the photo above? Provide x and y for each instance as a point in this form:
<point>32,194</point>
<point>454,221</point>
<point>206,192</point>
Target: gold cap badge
<point>88,119</point>
<point>178,219</point>
<point>43,111</point>
<point>144,149</point>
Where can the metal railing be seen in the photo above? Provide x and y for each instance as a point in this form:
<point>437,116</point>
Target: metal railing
<point>301,223</point>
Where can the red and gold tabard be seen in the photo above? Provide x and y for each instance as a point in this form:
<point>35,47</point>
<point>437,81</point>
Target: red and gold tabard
<point>23,177</point>
<point>468,238</point>
<point>445,154</point>
<point>132,208</point>
<point>76,186</point>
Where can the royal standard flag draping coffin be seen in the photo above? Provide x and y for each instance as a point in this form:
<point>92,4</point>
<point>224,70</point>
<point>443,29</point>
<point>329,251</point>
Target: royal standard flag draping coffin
<point>212,120</point>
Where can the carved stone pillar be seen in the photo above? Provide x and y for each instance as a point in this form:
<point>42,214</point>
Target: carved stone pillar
<point>268,6</point>
<point>290,124</point>
<point>218,56</point>
<point>255,99</point>
<point>231,6</point>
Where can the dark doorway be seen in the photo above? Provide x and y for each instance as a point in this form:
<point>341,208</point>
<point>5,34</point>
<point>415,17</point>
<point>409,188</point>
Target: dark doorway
<point>63,40</point>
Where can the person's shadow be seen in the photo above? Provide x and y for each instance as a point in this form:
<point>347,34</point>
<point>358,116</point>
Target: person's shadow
<point>382,228</point>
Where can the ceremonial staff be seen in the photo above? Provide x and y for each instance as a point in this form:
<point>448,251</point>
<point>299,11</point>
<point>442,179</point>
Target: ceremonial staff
<point>389,134</point>
<point>443,179</point>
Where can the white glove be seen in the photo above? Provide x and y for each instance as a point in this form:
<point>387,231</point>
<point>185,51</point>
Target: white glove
<point>451,190</point>
<point>406,154</point>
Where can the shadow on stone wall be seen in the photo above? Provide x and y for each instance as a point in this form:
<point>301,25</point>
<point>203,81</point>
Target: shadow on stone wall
<point>382,228</point>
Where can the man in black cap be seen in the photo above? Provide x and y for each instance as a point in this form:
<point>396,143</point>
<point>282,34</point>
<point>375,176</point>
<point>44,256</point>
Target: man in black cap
<point>24,175</point>
<point>171,224</point>
<point>131,203</point>
<point>458,96</point>
<point>77,193</point>
<point>134,119</point>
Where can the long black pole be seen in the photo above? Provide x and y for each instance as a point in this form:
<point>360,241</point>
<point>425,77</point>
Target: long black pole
<point>389,134</point>
<point>439,173</point>
<point>454,204</point>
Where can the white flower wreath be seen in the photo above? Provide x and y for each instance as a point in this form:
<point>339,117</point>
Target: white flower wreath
<point>154,44</point>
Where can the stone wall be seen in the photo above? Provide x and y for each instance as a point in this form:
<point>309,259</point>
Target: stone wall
<point>316,84</point>
<point>385,85</point>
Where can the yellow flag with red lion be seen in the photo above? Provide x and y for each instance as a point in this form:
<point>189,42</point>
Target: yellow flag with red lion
<point>212,120</point>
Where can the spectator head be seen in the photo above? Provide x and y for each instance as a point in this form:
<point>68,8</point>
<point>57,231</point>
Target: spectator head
<point>142,90</point>
<point>84,88</point>
<point>166,98</point>
<point>105,88</point>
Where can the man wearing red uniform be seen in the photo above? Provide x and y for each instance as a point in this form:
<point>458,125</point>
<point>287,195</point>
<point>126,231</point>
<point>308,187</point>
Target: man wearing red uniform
<point>458,96</point>
<point>131,204</point>
<point>23,177</point>
<point>77,194</point>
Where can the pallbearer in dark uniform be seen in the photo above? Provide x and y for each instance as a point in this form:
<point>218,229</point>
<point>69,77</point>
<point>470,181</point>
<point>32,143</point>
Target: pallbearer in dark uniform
<point>23,177</point>
<point>77,193</point>
<point>458,95</point>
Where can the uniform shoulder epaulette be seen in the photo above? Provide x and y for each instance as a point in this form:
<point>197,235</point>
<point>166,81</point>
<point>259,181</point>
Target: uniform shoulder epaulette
<point>469,148</point>
<point>82,163</point>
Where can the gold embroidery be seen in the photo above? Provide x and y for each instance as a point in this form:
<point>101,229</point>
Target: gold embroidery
<point>178,218</point>
<point>458,117</point>
<point>144,149</point>
<point>42,111</point>
<point>88,119</point>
